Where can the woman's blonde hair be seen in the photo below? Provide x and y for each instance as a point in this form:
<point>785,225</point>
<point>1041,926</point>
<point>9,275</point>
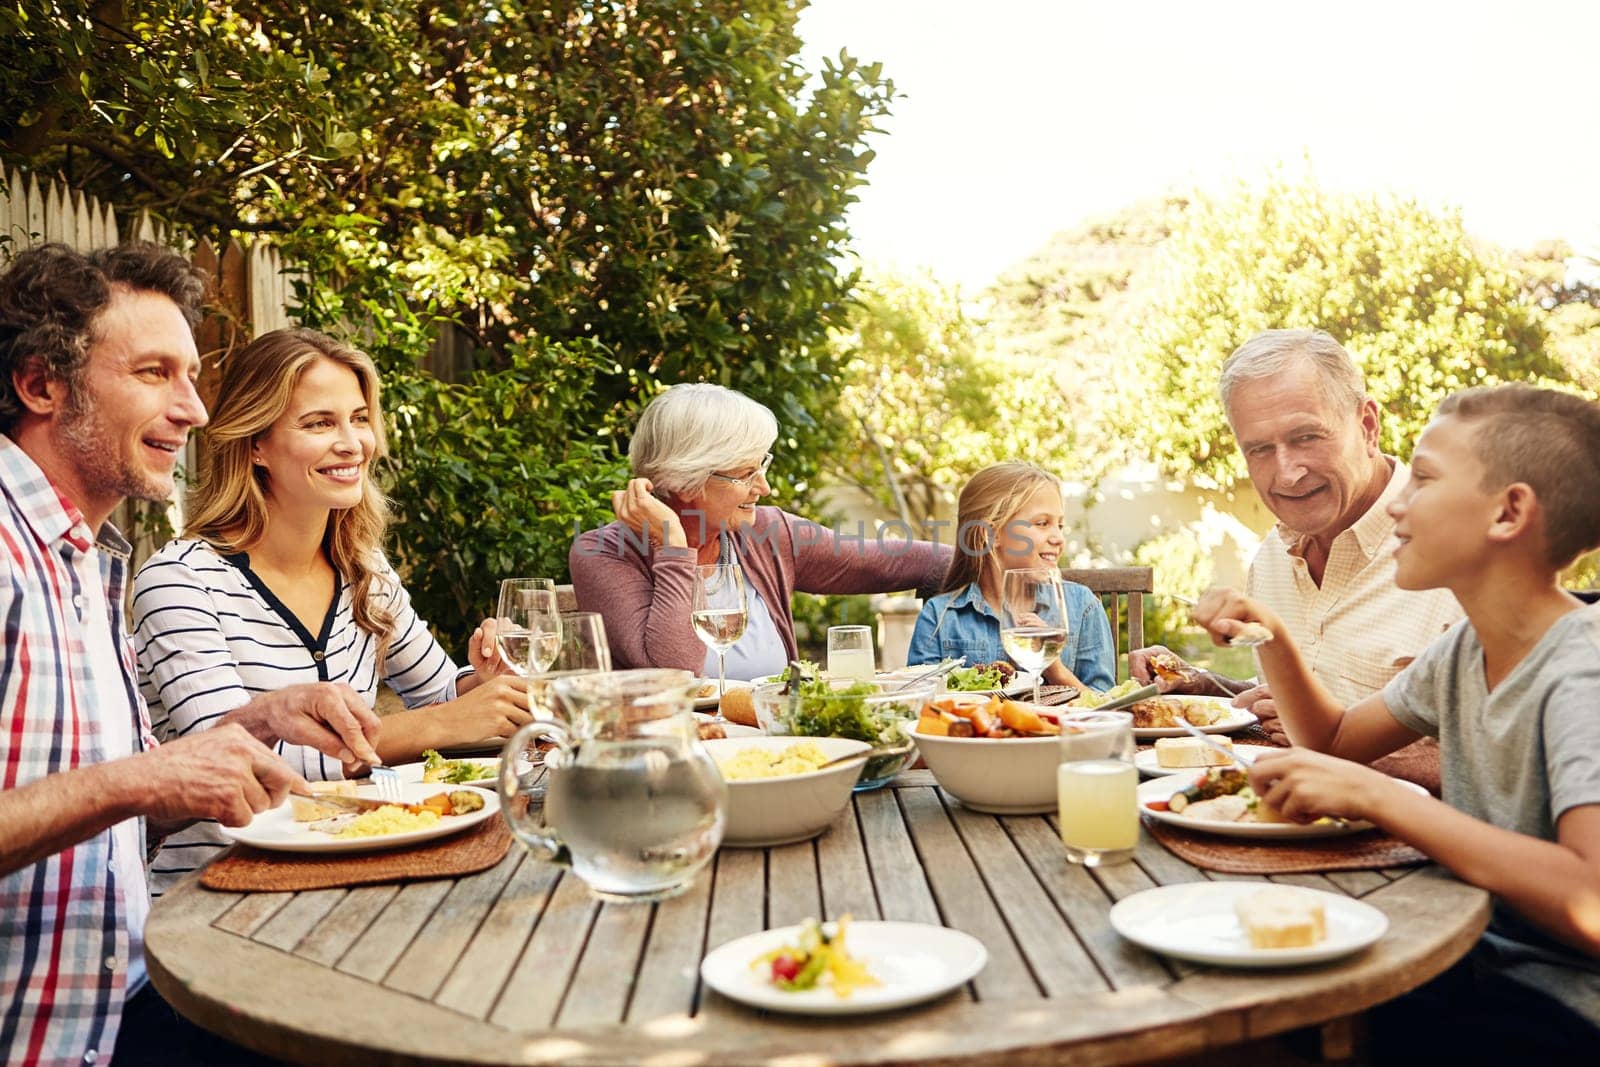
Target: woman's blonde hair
<point>987,502</point>
<point>228,505</point>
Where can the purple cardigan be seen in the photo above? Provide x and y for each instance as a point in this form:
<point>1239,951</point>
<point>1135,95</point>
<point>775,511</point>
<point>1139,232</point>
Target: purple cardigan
<point>644,595</point>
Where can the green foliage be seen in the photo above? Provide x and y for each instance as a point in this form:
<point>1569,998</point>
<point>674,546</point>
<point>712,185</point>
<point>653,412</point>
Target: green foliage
<point>661,178</point>
<point>1425,309</point>
<point>925,409</point>
<point>813,614</point>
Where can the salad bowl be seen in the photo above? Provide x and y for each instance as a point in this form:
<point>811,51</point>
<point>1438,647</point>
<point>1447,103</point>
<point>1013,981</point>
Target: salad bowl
<point>880,713</point>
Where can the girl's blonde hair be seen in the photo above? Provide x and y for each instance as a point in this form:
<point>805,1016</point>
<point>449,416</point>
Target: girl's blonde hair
<point>228,505</point>
<point>987,502</point>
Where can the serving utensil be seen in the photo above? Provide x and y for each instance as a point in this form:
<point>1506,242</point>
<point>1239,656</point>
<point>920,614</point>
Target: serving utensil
<point>939,670</point>
<point>1142,693</point>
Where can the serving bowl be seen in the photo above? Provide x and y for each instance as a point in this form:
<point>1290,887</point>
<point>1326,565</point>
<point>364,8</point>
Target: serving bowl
<point>791,807</point>
<point>879,713</point>
<point>1001,776</point>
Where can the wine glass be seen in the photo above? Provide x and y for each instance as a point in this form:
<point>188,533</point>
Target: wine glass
<point>719,613</point>
<point>1033,619</point>
<point>527,624</point>
<point>581,649</point>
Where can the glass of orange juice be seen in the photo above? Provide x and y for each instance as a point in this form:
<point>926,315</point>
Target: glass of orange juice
<point>1097,788</point>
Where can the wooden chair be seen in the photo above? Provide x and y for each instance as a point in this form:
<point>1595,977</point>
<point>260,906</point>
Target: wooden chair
<point>567,599</point>
<point>1116,587</point>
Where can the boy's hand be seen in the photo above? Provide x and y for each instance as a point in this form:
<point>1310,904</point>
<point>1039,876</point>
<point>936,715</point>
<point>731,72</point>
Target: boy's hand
<point>1306,785</point>
<point>1224,611</point>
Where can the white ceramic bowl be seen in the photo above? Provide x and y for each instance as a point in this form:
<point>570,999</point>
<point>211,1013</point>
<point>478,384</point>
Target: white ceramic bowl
<point>1002,776</point>
<point>794,807</point>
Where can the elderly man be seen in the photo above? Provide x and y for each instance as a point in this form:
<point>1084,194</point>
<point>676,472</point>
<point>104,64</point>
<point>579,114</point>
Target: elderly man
<point>1309,434</point>
<point>97,396</point>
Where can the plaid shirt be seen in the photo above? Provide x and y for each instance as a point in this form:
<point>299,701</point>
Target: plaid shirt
<point>63,922</point>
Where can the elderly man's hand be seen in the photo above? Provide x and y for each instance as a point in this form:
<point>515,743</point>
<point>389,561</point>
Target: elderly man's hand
<point>1224,613</point>
<point>1258,700</point>
<point>328,716</point>
<point>222,773</point>
<point>640,510</point>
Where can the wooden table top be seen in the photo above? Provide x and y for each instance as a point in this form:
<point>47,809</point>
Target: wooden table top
<point>519,964</point>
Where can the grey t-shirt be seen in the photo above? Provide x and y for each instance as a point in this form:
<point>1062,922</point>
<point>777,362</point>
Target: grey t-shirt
<point>1517,758</point>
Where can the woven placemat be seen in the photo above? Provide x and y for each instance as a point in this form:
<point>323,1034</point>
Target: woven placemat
<point>1365,851</point>
<point>253,870</point>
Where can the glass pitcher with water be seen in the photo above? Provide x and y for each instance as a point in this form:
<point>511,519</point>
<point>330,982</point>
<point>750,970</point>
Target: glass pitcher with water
<point>632,801</point>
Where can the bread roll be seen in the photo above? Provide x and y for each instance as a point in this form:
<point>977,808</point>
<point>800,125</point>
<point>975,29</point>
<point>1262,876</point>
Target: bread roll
<point>739,706</point>
<point>1191,752</point>
<point>1281,917</point>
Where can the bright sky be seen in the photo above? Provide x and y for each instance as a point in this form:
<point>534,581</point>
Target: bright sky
<point>1021,118</point>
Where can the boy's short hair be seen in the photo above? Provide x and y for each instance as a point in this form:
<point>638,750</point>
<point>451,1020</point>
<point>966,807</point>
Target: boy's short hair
<point>51,295</point>
<point>1549,440</point>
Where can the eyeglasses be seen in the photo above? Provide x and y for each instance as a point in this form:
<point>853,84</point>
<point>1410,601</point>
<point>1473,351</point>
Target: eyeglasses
<point>749,479</point>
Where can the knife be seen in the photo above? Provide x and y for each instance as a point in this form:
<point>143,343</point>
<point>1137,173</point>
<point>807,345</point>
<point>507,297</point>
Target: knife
<point>1205,739</point>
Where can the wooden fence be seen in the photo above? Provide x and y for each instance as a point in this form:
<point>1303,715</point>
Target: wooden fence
<point>251,292</point>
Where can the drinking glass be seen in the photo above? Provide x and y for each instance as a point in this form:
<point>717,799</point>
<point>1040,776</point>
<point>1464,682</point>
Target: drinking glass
<point>632,801</point>
<point>583,650</point>
<point>527,624</point>
<point>1097,788</point>
<point>719,613</point>
<point>850,652</point>
<point>1033,619</point>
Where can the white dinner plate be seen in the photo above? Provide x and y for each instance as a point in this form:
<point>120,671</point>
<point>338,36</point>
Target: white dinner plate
<point>1196,921</point>
<point>1162,788</point>
<point>706,698</point>
<point>1237,719</point>
<point>731,729</point>
<point>412,772</point>
<point>1145,760</point>
<point>912,962</point>
<point>277,831</point>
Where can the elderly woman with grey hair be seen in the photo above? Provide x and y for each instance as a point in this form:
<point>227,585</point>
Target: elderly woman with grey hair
<point>700,456</point>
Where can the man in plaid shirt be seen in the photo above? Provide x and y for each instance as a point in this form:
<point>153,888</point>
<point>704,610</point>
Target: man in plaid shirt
<point>97,397</point>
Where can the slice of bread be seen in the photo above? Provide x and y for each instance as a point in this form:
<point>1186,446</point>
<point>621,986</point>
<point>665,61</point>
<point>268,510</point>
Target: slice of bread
<point>1184,752</point>
<point>341,788</point>
<point>1281,917</point>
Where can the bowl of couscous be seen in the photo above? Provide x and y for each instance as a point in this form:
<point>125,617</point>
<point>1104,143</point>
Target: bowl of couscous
<point>776,793</point>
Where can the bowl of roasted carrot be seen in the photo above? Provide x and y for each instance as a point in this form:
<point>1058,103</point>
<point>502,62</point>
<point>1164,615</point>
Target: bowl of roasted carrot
<point>993,755</point>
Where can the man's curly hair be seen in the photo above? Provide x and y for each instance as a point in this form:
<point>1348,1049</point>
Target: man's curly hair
<point>50,297</point>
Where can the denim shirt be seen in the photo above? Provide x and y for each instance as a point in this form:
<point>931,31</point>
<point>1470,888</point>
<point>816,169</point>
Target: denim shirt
<point>963,624</point>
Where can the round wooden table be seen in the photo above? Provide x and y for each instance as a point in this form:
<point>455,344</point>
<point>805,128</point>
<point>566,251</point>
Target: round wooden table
<point>519,964</point>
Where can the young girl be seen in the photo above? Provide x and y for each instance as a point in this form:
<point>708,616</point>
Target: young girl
<point>1010,515</point>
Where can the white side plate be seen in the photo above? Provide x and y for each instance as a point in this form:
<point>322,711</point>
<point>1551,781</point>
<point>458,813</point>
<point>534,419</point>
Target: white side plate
<point>912,961</point>
<point>1196,921</point>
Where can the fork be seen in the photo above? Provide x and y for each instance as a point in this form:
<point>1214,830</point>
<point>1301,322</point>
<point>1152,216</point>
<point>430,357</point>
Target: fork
<point>387,782</point>
<point>1251,634</point>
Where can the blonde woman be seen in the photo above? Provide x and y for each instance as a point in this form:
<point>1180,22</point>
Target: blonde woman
<point>279,576</point>
<point>1011,515</point>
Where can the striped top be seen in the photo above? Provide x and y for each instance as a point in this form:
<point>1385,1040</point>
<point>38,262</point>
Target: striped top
<point>67,923</point>
<point>211,636</point>
<point>1357,629</point>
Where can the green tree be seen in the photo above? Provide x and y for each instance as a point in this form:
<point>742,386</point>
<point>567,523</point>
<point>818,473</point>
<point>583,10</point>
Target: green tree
<point>1424,308</point>
<point>660,179</point>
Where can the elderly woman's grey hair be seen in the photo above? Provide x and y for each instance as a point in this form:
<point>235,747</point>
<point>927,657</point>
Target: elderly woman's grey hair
<point>690,431</point>
<point>1275,351</point>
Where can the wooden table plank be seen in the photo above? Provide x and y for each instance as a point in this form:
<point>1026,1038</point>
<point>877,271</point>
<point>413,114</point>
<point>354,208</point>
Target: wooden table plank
<point>1162,866</point>
<point>539,981</point>
<point>333,936</point>
<point>251,911</point>
<point>606,973</point>
<point>963,897</point>
<point>434,951</point>
<point>1059,963</point>
<point>904,894</point>
<point>473,987</point>
<point>381,944</point>
<point>669,973</point>
<point>738,907</point>
<point>1085,904</point>
<point>1308,881</point>
<point>1357,883</point>
<point>842,870</point>
<point>298,918</point>
<point>792,891</point>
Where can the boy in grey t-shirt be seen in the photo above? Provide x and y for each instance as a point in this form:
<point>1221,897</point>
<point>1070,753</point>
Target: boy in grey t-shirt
<point>1505,493</point>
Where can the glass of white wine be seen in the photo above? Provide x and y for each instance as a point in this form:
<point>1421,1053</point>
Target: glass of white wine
<point>528,625</point>
<point>719,613</point>
<point>1033,619</point>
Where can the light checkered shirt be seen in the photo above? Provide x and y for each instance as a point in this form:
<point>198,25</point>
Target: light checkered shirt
<point>63,921</point>
<point>1358,629</point>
